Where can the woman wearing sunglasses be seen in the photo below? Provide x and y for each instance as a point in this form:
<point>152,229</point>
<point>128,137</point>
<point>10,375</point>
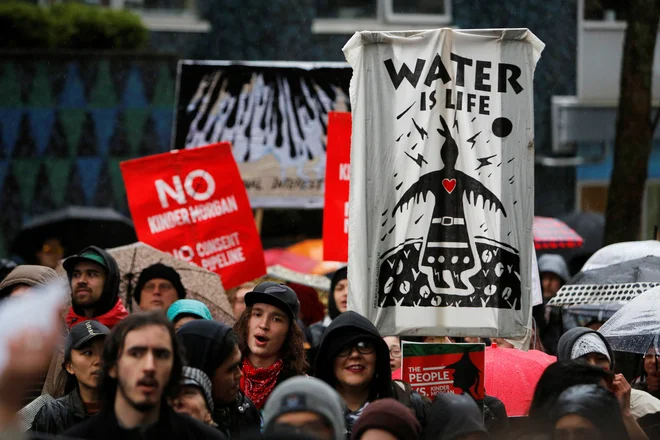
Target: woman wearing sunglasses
<point>355,361</point>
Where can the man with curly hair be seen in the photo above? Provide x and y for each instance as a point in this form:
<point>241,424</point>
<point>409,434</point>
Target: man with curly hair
<point>271,342</point>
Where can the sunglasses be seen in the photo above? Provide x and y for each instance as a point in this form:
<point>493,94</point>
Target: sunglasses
<point>363,347</point>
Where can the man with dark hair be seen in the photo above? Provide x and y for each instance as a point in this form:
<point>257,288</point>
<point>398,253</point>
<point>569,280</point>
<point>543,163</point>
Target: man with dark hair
<point>270,340</point>
<point>212,347</point>
<point>142,366</point>
<point>94,278</point>
<point>158,287</point>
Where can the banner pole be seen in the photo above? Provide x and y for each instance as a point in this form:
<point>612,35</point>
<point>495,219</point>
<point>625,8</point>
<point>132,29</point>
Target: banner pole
<point>258,218</point>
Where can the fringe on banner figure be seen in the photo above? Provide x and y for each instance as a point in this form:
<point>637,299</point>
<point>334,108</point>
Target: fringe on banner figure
<point>449,257</point>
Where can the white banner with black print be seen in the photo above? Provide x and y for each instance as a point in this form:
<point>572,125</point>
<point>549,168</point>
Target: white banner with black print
<point>442,180</point>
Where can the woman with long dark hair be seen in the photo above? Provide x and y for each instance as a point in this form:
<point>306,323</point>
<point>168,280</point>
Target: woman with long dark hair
<point>81,371</point>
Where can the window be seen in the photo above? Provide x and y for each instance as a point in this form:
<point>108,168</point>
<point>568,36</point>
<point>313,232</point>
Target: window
<point>177,6</point>
<point>420,11</point>
<point>605,10</point>
<point>347,9</point>
<point>348,16</point>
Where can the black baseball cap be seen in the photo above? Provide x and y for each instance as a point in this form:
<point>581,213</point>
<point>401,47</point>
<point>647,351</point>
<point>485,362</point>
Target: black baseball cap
<point>278,295</point>
<point>82,333</point>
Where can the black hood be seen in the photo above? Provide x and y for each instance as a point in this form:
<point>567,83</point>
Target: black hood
<point>347,328</point>
<point>597,405</point>
<point>568,340</point>
<point>110,294</point>
<point>453,416</point>
<point>206,344</point>
<point>339,275</point>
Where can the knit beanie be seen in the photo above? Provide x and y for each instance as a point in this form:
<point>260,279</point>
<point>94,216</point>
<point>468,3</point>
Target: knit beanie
<point>159,270</point>
<point>188,307</point>
<point>388,415</point>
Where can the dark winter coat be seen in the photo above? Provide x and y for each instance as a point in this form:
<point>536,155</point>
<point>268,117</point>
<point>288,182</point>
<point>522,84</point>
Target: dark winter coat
<point>59,415</point>
<point>207,344</point>
<point>170,425</point>
<point>238,419</point>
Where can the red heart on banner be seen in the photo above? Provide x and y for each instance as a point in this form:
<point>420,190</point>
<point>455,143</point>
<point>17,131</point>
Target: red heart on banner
<point>449,185</point>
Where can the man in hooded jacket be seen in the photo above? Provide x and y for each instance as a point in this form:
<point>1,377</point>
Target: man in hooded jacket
<point>94,277</point>
<point>353,338</point>
<point>589,346</point>
<point>212,347</point>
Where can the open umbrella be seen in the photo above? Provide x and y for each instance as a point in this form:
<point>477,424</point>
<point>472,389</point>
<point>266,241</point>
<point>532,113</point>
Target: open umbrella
<point>636,326</point>
<point>621,252</point>
<point>511,376</point>
<point>616,283</point>
<point>76,227</point>
<point>591,227</point>
<point>551,233</point>
<point>200,284</point>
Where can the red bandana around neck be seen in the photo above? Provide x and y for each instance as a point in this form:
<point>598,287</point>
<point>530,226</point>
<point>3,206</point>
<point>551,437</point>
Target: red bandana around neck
<point>110,319</point>
<point>258,383</point>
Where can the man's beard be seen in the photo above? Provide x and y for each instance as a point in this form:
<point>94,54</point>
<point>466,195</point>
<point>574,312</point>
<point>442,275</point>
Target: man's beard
<point>141,407</point>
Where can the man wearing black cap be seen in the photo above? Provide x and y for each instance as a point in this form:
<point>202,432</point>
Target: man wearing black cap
<point>94,278</point>
<point>82,366</point>
<point>158,287</point>
<point>271,342</point>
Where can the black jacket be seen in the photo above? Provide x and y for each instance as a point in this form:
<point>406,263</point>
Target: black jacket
<point>170,425</point>
<point>59,415</point>
<point>237,419</point>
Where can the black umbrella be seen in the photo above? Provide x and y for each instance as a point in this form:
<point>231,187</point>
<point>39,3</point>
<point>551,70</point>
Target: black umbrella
<point>640,270</point>
<point>76,227</point>
<point>616,283</point>
<point>591,227</point>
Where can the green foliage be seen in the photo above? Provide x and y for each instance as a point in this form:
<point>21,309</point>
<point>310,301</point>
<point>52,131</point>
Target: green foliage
<point>69,26</point>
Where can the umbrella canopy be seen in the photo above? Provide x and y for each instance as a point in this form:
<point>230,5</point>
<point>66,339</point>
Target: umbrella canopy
<point>76,227</point>
<point>636,326</point>
<point>312,248</point>
<point>639,270</point>
<point>200,284</point>
<point>512,375</point>
<point>551,233</point>
<point>621,252</point>
<point>590,226</point>
<point>616,283</point>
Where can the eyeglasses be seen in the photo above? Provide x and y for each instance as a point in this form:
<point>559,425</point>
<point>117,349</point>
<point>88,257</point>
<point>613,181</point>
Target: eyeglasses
<point>363,347</point>
<point>395,353</point>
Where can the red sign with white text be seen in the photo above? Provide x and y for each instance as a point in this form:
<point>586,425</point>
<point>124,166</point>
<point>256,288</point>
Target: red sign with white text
<point>193,204</point>
<point>337,176</point>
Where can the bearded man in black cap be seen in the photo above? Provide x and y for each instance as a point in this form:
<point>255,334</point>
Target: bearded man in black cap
<point>158,287</point>
<point>271,342</point>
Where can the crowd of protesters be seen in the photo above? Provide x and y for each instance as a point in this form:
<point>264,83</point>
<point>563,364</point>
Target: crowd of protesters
<point>286,369</point>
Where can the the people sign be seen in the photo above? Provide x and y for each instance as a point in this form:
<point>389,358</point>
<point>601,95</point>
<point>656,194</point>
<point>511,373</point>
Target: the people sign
<point>432,369</point>
<point>337,177</point>
<point>193,204</point>
<point>441,195</point>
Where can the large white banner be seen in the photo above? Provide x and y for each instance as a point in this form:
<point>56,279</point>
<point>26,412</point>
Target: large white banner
<point>442,180</point>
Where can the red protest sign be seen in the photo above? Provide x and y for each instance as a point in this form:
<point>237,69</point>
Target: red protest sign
<point>337,175</point>
<point>432,368</point>
<point>192,203</point>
